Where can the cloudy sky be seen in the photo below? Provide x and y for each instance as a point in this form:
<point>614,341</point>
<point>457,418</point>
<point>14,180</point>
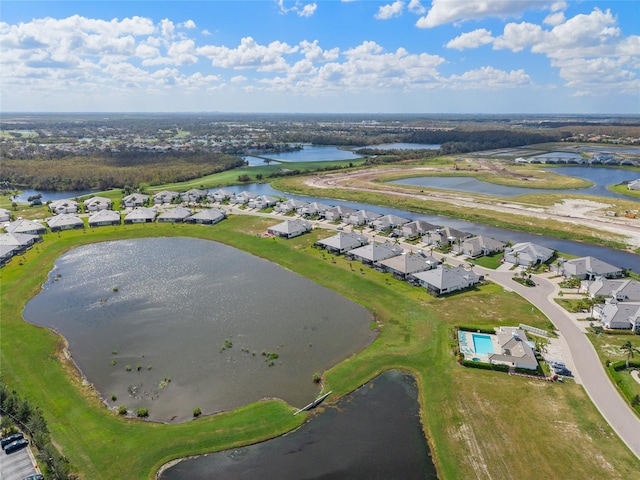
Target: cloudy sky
<point>329,56</point>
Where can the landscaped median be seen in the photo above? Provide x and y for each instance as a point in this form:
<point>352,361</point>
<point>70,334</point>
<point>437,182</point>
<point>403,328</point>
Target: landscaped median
<point>475,420</point>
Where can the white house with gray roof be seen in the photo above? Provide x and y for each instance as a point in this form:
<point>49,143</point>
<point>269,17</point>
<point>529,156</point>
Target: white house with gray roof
<point>221,195</point>
<point>262,201</point>
<point>210,216</point>
<point>95,204</point>
<point>362,217</point>
<point>623,290</point>
<point>589,268</point>
<point>338,213</point>
<point>140,215</point>
<point>445,279</point>
<point>515,349</point>
<point>290,205</point>
<point>442,237</point>
<point>103,218</point>
<point>64,221</point>
<point>174,215</point>
<point>66,205</point>
<point>634,184</point>
<point>135,200</point>
<point>165,197</point>
<point>374,252</point>
<point>290,228</point>
<point>342,242</point>
<point>388,222</point>
<point>527,253</point>
<point>418,228</point>
<point>5,215</point>
<point>313,208</point>
<point>19,242</point>
<point>405,264</point>
<point>619,315</point>
<point>25,226</point>
<point>242,198</point>
<point>479,246</point>
<point>193,195</point>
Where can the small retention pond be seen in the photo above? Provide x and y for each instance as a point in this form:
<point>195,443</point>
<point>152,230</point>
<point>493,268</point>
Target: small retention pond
<point>374,433</point>
<point>173,324</point>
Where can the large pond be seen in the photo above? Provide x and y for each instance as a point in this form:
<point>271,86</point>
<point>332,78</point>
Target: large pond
<point>406,146</point>
<point>314,153</point>
<point>195,321</point>
<point>374,433</point>
<point>601,178</point>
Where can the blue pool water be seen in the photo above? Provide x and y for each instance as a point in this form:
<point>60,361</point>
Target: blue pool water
<point>482,344</point>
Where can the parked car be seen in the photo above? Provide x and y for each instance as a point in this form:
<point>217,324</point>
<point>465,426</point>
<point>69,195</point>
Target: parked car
<point>35,477</point>
<point>562,371</point>
<point>558,365</point>
<point>10,439</point>
<point>15,446</point>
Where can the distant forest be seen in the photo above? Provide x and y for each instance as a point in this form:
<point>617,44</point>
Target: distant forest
<point>106,171</point>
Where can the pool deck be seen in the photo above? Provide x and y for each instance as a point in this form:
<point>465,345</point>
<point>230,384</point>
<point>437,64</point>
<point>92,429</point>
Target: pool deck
<point>465,341</point>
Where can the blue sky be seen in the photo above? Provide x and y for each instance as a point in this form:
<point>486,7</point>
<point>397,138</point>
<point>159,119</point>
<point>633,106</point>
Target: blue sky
<point>324,56</point>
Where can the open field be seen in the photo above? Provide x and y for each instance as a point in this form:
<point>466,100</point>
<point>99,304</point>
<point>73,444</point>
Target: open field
<point>480,424</point>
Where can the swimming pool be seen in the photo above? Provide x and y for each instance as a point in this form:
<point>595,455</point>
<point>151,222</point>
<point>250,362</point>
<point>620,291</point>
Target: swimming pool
<point>482,344</point>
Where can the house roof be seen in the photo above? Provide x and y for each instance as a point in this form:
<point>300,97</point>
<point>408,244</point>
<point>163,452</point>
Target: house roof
<point>342,211</point>
<point>445,278</point>
<point>141,213</point>
<point>530,252</point>
<point>291,226</point>
<point>589,265</point>
<point>376,251</point>
<point>344,241</point>
<point>179,213</point>
<point>514,347</point>
<point>24,226</point>
<point>97,201</point>
<point>407,263</point>
<point>620,313</point>
<point>16,239</point>
<point>135,197</point>
<point>64,220</point>
<point>618,288</point>
<point>64,202</point>
<point>210,214</point>
<point>222,193</point>
<point>166,194</point>
<point>104,216</point>
<point>481,242</point>
<point>420,226</point>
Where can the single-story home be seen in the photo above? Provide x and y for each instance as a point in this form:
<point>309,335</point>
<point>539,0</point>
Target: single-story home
<point>479,246</point>
<point>362,217</point>
<point>388,222</point>
<point>290,206</point>
<point>64,221</point>
<point>95,204</point>
<point>589,268</point>
<point>291,228</point>
<point>165,197</point>
<point>5,215</point>
<point>6,254</point>
<point>313,208</point>
<point>104,217</point>
<point>262,201</point>
<point>444,279</point>
<point>342,242</point>
<point>242,198</point>
<point>338,213</point>
<point>403,265</point>
<point>374,252</point>
<point>515,349</point>
<point>634,184</point>
<point>206,217</point>
<point>140,215</point>
<point>174,215</point>
<point>193,195</point>
<point>623,290</point>
<point>19,242</point>
<point>25,226</point>
<point>135,200</point>
<point>221,195</point>
<point>527,253</point>
<point>418,228</point>
<point>619,315</point>
<point>445,236</point>
<point>63,206</point>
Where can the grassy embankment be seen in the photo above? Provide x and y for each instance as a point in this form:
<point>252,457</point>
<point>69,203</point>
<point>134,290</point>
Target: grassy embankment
<point>480,424</point>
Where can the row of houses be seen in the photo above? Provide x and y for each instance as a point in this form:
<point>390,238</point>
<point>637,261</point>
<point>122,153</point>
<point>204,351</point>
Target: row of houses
<point>620,297</point>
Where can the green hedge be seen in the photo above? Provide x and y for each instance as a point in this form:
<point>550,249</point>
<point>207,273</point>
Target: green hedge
<point>622,365</point>
<point>489,331</point>
<point>485,366</point>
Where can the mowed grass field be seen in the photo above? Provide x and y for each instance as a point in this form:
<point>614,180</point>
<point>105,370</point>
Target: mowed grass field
<point>479,424</point>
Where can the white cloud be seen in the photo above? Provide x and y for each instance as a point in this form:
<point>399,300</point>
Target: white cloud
<point>555,19</point>
<point>167,27</point>
<point>239,79</point>
<point>473,39</point>
<point>249,54</point>
<point>490,78</point>
<point>189,24</point>
<point>449,11</point>
<point>302,10</point>
<point>391,10</point>
<point>308,10</point>
<point>415,6</point>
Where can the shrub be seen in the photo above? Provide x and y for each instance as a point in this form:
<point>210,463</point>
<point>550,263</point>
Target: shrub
<point>197,412</point>
<point>122,410</point>
<point>142,412</point>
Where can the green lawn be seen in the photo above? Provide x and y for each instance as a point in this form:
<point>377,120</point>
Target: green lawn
<point>479,424</point>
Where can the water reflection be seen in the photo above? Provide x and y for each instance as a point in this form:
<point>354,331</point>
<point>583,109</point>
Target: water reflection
<point>374,433</point>
<point>171,324</point>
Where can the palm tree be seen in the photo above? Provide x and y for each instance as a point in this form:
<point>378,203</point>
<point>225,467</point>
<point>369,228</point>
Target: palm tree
<point>629,350</point>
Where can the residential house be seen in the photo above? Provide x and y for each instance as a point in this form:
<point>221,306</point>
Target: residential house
<point>174,215</point>
<point>290,228</point>
<point>444,279</point>
<point>634,184</point>
<point>405,264</point>
<point>262,201</point>
<point>6,254</point>
<point>342,242</point>
<point>19,242</point>
<point>527,253</point>
<point>194,195</point>
<point>374,252</point>
<point>104,217</point>
<point>242,198</point>
<point>140,215</point>
<point>207,217</point>
<point>362,217</point>
<point>95,204</point>
<point>165,197</point>
<point>63,206</point>
<point>135,200</point>
<point>5,215</point>
<point>388,222</point>
<point>479,246</point>
<point>64,221</point>
<point>25,226</point>
<point>619,315</point>
<point>338,213</point>
<point>221,195</point>
<point>623,290</point>
<point>418,228</point>
<point>313,209</point>
<point>515,349</point>
<point>290,206</point>
<point>589,268</point>
<point>442,237</point>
